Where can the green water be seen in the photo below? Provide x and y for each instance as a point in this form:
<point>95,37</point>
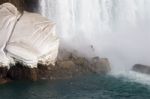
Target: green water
<point>83,87</point>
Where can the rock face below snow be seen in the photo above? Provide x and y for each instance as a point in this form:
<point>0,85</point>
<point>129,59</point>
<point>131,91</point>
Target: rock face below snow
<point>63,69</point>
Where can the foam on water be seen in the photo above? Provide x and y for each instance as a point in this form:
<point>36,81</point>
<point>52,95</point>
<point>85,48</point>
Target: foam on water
<point>132,76</point>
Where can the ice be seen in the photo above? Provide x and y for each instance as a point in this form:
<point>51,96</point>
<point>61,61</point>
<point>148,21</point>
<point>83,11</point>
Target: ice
<point>31,39</point>
<point>8,18</point>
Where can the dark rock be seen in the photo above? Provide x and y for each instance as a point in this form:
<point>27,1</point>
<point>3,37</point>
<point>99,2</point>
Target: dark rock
<point>64,55</point>
<point>28,5</point>
<point>44,71</point>
<point>62,70</point>
<point>3,75</point>
<point>21,72</point>
<point>65,68</point>
<point>3,72</point>
<point>4,81</point>
<point>141,68</point>
<point>31,5</point>
<point>66,64</point>
<point>81,61</point>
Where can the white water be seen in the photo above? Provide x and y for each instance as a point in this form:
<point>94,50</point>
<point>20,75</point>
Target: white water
<point>117,29</point>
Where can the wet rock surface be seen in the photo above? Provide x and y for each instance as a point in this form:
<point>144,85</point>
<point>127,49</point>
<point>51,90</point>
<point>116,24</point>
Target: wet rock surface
<point>141,68</point>
<point>21,72</point>
<point>3,75</point>
<point>65,68</point>
<point>100,65</point>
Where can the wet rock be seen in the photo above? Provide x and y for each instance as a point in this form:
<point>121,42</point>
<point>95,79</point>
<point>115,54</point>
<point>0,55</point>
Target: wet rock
<point>62,70</point>
<point>3,75</point>
<point>141,68</point>
<point>4,80</point>
<point>21,72</point>
<point>3,72</point>
<point>44,71</point>
<point>66,64</point>
<point>66,68</point>
<point>100,65</point>
<point>64,54</point>
<point>81,61</point>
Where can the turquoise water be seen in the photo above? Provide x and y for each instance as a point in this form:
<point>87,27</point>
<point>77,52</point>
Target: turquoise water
<point>83,87</point>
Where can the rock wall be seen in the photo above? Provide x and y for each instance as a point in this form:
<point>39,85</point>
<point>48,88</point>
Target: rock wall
<point>28,5</point>
<point>64,68</point>
<point>141,68</point>
<point>31,5</point>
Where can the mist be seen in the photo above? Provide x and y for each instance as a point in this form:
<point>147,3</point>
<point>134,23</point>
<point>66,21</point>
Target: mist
<point>116,29</point>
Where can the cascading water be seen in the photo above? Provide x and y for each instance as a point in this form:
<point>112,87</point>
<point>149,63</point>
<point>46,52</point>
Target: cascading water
<point>116,29</point>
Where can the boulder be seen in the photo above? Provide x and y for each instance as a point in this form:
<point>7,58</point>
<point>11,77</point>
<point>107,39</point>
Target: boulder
<point>66,64</point>
<point>100,65</point>
<point>141,68</point>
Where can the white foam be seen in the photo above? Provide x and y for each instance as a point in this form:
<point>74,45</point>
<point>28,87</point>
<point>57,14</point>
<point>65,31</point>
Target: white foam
<point>132,76</point>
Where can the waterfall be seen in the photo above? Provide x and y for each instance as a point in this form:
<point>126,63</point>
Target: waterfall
<point>116,29</point>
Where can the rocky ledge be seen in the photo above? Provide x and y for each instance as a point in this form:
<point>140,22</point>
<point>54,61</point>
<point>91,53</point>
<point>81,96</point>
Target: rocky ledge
<point>141,68</point>
<point>64,69</point>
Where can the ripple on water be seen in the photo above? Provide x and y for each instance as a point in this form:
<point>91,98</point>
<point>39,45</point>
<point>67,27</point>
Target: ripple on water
<point>83,87</point>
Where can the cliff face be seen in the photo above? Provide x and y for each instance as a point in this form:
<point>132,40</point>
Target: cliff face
<point>65,68</point>
<point>28,5</point>
<point>31,5</point>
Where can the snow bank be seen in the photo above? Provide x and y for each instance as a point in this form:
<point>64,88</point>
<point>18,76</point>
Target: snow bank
<point>30,38</point>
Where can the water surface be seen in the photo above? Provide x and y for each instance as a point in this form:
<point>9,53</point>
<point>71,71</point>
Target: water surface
<point>83,87</point>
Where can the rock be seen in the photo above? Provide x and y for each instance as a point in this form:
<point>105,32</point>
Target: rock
<point>44,71</point>
<point>141,68</point>
<point>66,64</point>
<point>100,65</point>
<point>63,54</point>
<point>63,69</point>
<point>4,81</point>
<point>21,72</point>
<point>31,5</point>
<point>81,61</point>
<point>3,75</point>
<point>3,72</point>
